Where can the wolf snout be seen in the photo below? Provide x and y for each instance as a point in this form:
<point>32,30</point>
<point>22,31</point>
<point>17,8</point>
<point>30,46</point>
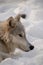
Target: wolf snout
<point>31,47</point>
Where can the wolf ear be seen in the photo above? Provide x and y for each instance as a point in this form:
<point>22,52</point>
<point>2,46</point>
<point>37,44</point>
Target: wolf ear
<point>19,16</point>
<point>11,22</point>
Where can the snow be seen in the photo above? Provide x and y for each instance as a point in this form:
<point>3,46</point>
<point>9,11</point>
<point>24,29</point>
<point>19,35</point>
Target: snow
<point>34,29</point>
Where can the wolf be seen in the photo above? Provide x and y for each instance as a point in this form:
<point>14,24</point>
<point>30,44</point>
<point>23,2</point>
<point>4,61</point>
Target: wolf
<point>12,36</point>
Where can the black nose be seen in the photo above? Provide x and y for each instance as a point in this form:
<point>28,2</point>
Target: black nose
<point>31,47</point>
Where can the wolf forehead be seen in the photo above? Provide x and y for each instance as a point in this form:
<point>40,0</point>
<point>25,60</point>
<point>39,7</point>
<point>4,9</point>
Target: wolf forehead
<point>18,26</point>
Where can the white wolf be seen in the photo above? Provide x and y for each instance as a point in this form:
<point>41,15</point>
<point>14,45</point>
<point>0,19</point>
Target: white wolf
<point>12,35</point>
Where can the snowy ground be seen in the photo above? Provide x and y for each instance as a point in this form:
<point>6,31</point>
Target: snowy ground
<point>34,29</point>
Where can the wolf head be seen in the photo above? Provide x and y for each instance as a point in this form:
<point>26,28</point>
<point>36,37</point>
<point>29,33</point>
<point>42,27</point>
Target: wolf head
<point>14,34</point>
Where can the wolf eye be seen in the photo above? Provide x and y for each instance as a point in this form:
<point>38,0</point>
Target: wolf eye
<point>20,35</point>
